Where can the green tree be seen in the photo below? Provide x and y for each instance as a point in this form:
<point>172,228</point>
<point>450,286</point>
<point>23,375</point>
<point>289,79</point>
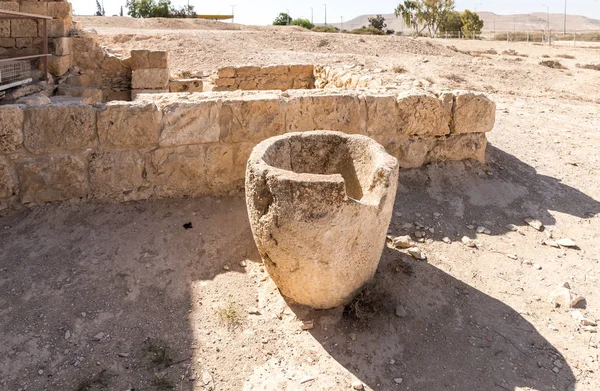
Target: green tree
<point>377,22</point>
<point>471,24</point>
<point>302,22</point>
<point>100,10</point>
<point>282,20</point>
<point>424,14</point>
<point>452,23</point>
<point>149,8</point>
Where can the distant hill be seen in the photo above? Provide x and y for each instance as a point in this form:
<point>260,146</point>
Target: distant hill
<point>520,22</point>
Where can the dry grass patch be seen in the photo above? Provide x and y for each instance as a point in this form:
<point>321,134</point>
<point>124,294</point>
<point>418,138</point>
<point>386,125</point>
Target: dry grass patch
<point>553,64</point>
<point>453,77</point>
<point>512,52</point>
<point>593,67</point>
<point>399,69</point>
<point>230,316</point>
<point>566,56</point>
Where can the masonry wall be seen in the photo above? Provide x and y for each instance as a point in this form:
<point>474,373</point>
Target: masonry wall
<point>22,37</point>
<point>186,145</point>
<point>273,77</point>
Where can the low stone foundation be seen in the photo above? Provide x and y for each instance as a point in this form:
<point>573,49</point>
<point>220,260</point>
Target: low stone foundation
<point>274,77</point>
<point>180,145</point>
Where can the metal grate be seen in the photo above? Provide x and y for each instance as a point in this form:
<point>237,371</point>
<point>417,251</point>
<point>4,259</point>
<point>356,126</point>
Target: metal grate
<point>14,73</point>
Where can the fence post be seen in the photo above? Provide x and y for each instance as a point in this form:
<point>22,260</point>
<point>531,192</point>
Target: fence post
<point>507,36</point>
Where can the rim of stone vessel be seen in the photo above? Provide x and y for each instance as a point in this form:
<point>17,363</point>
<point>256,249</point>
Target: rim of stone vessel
<point>383,167</point>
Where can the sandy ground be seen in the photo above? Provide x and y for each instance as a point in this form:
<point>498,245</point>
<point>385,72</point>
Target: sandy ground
<point>123,297</point>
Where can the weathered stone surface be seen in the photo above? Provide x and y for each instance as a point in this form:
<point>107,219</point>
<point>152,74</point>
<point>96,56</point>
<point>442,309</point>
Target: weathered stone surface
<point>34,7</point>
<point>88,60</point>
<point>34,100</point>
<point>158,59</point>
<point>139,59</point>
<point>458,147</point>
<point>57,27</point>
<point>61,46</point>
<point>151,78</point>
<point>423,114</point>
<point>52,178</point>
<point>59,65</point>
<point>251,119</point>
<point>226,72</point>
<point>11,128</point>
<point>91,78</point>
<point>59,127</point>
<point>84,44</point>
<point>114,175</point>
<point>129,125</point>
<point>8,186</point>
<point>6,42</point>
<point>178,171</point>
<point>473,113</point>
<point>302,70</point>
<point>297,217</point>
<point>219,168</point>
<point>5,24</point>
<point>344,113</point>
<point>60,10</point>
<point>23,28</point>
<point>411,151</point>
<point>186,85</point>
<point>191,123</point>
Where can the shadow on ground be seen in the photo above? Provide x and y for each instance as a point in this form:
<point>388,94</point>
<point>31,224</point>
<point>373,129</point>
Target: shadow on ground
<point>450,336</point>
<point>464,193</point>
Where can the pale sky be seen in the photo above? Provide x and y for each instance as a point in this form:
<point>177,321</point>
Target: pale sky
<point>261,12</point>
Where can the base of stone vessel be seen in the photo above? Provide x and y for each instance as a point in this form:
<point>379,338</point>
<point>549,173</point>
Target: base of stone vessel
<point>319,205</point>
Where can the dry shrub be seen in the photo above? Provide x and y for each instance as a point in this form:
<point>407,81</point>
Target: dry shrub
<point>545,56</point>
<point>399,69</point>
<point>594,67</point>
<point>453,77</point>
<point>368,303</point>
<point>512,52</point>
<point>322,42</point>
<point>230,316</point>
<point>553,64</point>
<point>566,56</point>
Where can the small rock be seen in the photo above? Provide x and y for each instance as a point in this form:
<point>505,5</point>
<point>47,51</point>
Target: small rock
<point>403,242</point>
<point>555,370</point>
<point>124,355</point>
<point>512,256</point>
<point>243,263</point>
<point>392,362</point>
<point>551,243</point>
<point>306,379</point>
<point>307,325</point>
<point>558,363</point>
<point>480,229</point>
<point>561,297</point>
<point>83,314</point>
<point>552,327</point>
<point>590,329</point>
<point>357,385</point>
<point>537,266</point>
<point>467,241</point>
<point>225,267</point>
<point>400,311</point>
<point>535,224</point>
<point>253,311</point>
<point>419,234</point>
<point>566,242</point>
<point>416,252</point>
<point>41,372</point>
<point>99,337</point>
<point>398,380</point>
<point>207,380</point>
<point>512,227</point>
<point>352,336</point>
<point>470,226</point>
<point>436,214</point>
<point>431,229</point>
<point>67,334</point>
<point>578,301</point>
<point>446,240</point>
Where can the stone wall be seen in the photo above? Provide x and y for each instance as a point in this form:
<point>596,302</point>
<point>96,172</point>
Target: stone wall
<point>274,77</point>
<point>22,37</point>
<point>179,145</point>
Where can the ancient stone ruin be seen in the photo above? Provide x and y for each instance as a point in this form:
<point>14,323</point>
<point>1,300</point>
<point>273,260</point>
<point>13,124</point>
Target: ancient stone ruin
<point>320,204</point>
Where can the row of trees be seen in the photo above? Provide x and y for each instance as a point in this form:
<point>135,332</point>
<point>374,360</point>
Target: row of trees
<point>284,19</point>
<point>158,9</point>
<point>438,16</point>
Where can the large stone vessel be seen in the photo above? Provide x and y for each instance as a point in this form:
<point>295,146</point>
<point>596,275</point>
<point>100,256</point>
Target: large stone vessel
<point>319,204</point>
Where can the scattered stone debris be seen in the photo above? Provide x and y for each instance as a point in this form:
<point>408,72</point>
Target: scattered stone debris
<point>400,311</point>
<point>470,226</point>
<point>67,334</point>
<point>551,243</point>
<point>403,242</point>
<point>446,240</point>
<point>398,380</point>
<point>563,297</point>
<point>534,223</point>
<point>537,266</point>
<point>99,337</point>
<point>253,311</point>
<point>307,325</point>
<point>306,379</point>
<point>483,230</point>
<point>566,242</point>
<point>468,241</point>
<point>512,256</point>
<point>419,234</point>
<point>416,252</point>
<point>512,227</point>
<point>583,321</point>
<point>357,385</point>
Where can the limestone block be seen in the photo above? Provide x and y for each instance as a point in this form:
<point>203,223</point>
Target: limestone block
<point>59,65</point>
<point>302,70</point>
<point>34,7</point>
<point>186,85</point>
<point>301,192</point>
<point>52,178</point>
<point>458,147</point>
<point>8,186</point>
<point>382,115</point>
<point>57,27</point>
<point>59,127</point>
<point>88,60</point>
<point>473,113</point>
<point>6,42</point>
<point>140,59</point>
<point>158,59</point>
<point>225,82</point>
<point>303,84</point>
<point>88,95</point>
<point>135,93</point>
<point>129,125</point>
<point>5,32</point>
<point>344,113</point>
<point>5,24</point>
<point>9,6</point>
<point>84,44</point>
<point>38,99</point>
<point>115,174</point>
<point>112,63</point>
<point>275,83</point>
<point>275,70</point>
<point>20,28</point>
<point>191,123</point>
<point>253,118</point>
<point>178,171</point>
<point>11,128</point>
<point>59,10</point>
<point>422,113</point>
<point>110,95</point>
<point>23,42</point>
<point>247,71</point>
<point>218,163</point>
<point>152,78</point>
<point>62,46</point>
<point>251,84</point>
<point>226,73</point>
<point>91,78</point>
